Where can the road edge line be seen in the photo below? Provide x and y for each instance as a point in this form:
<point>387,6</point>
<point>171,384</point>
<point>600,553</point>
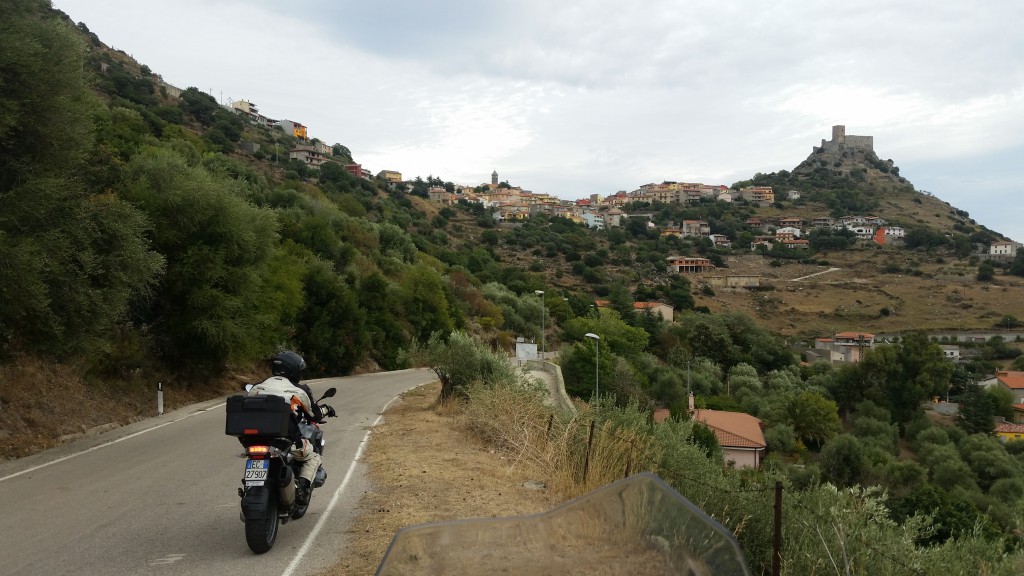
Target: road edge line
<point>337,493</point>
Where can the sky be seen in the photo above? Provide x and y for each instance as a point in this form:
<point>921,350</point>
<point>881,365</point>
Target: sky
<point>580,97</point>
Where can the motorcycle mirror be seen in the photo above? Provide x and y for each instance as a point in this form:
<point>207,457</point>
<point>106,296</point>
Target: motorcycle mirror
<point>329,393</point>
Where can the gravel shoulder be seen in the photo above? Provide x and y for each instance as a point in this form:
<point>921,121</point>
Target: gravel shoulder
<point>425,466</point>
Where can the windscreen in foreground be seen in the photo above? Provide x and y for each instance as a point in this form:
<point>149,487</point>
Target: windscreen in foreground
<point>638,526</point>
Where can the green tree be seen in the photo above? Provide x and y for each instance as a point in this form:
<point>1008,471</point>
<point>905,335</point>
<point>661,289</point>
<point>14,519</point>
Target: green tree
<point>582,372</point>
<point>986,271</point>
<point>199,105</point>
<point>331,330</point>
<point>386,337</point>
<point>72,260</point>
<point>616,335</point>
<point>462,361</point>
<point>217,247</point>
<point>814,418</point>
<point>422,293</point>
<point>950,516</point>
<point>897,377</point>
<point>843,460</point>
<point>976,411</point>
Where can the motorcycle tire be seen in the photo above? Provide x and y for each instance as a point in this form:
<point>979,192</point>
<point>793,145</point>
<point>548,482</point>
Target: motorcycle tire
<point>260,534</point>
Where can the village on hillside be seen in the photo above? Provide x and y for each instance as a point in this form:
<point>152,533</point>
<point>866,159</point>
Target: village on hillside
<point>510,204</point>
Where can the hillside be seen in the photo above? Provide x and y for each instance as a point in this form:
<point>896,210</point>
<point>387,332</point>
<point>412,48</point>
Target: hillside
<point>388,253</point>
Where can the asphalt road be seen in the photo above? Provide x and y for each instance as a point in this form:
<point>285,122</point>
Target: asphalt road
<point>160,496</point>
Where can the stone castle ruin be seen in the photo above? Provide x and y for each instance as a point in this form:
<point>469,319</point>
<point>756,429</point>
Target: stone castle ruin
<point>841,140</point>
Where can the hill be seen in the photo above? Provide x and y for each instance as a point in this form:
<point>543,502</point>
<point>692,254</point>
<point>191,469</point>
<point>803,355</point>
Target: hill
<point>183,242</point>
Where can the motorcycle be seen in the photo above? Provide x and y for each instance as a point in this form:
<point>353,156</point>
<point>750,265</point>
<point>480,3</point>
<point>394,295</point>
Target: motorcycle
<point>269,422</point>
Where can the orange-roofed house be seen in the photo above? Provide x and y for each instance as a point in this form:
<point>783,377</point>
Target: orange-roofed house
<point>1012,380</point>
<point>1007,431</point>
<point>656,308</point>
<point>738,434</point>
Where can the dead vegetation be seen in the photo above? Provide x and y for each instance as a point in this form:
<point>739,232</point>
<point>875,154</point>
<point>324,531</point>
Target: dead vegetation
<point>44,404</point>
<point>501,454</point>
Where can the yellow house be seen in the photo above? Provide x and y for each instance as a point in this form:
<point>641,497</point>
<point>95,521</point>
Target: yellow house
<point>390,175</point>
<point>1010,432</point>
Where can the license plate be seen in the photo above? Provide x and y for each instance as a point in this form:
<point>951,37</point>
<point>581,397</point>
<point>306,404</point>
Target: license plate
<point>256,472</point>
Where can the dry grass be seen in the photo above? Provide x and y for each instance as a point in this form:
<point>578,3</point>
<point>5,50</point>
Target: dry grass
<point>945,297</point>
<point>43,404</point>
<point>426,466</point>
<point>431,463</point>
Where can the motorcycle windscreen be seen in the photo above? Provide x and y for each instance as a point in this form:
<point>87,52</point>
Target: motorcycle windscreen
<point>639,525</point>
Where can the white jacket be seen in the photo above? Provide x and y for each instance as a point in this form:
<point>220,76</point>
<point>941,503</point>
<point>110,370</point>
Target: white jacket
<point>281,386</point>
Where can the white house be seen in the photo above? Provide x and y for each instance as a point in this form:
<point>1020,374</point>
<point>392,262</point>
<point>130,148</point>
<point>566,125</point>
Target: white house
<point>593,220</point>
<point>893,232</point>
<point>1003,249</point>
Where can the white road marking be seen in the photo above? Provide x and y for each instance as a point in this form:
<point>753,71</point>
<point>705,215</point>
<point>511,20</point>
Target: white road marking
<point>334,499</point>
<point>169,559</point>
<point>105,444</point>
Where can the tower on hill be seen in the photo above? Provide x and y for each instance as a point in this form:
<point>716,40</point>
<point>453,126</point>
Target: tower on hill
<point>841,140</point>
<point>494,178</point>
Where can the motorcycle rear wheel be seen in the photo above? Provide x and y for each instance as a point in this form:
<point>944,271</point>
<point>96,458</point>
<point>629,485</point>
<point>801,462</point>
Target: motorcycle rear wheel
<point>261,534</point>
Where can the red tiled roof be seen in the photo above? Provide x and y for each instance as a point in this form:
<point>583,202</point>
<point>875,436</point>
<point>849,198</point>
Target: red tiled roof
<point>1008,428</point>
<point>733,429</point>
<point>1013,379</point>
<point>646,305</point>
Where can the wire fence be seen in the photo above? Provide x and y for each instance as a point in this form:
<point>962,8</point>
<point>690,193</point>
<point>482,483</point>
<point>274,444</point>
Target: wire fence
<point>757,496</point>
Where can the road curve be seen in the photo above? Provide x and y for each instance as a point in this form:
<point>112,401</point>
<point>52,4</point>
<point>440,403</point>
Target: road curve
<point>160,496</point>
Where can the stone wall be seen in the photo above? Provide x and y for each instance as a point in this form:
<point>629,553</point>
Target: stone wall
<point>841,139</point>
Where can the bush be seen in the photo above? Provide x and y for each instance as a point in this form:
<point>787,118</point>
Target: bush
<point>461,361</point>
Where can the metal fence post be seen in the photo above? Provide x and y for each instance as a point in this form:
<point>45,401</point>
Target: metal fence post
<point>590,443</point>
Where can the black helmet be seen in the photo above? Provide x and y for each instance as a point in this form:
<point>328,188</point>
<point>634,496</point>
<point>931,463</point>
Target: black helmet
<point>287,364</point>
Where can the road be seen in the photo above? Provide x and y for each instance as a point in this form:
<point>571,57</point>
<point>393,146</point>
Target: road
<point>160,496</point>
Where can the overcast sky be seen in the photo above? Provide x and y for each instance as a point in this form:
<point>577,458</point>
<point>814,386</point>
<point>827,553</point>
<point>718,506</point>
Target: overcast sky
<point>576,97</point>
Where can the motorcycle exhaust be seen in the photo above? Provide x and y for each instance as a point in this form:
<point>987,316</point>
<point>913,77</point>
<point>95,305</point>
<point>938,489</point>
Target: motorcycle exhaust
<point>286,481</point>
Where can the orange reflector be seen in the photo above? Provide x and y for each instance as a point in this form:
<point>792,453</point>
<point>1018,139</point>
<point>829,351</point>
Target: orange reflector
<point>251,431</point>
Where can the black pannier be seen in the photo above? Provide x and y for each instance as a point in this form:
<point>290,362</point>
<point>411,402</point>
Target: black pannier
<point>260,416</point>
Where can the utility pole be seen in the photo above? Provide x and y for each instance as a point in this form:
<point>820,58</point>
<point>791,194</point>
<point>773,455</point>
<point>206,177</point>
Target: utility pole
<point>541,294</point>
<point>597,363</point>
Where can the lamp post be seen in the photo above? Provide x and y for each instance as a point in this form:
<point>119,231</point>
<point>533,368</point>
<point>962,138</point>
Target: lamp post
<point>597,364</point>
<point>541,294</point>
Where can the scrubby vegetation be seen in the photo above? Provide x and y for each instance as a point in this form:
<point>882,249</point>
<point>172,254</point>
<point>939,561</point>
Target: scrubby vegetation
<point>139,242</point>
<point>848,525</point>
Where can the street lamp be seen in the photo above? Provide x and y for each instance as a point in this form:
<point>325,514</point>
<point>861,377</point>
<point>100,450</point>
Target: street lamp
<point>541,294</point>
<point>597,365</point>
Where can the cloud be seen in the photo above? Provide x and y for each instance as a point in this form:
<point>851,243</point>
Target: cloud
<point>583,96</point>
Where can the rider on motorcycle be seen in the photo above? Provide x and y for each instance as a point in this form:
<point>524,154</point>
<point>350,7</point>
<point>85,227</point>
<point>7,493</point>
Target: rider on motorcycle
<point>286,368</point>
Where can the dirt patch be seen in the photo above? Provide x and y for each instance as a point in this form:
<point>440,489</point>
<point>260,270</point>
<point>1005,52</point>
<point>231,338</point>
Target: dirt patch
<point>43,405</point>
<point>425,467</point>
